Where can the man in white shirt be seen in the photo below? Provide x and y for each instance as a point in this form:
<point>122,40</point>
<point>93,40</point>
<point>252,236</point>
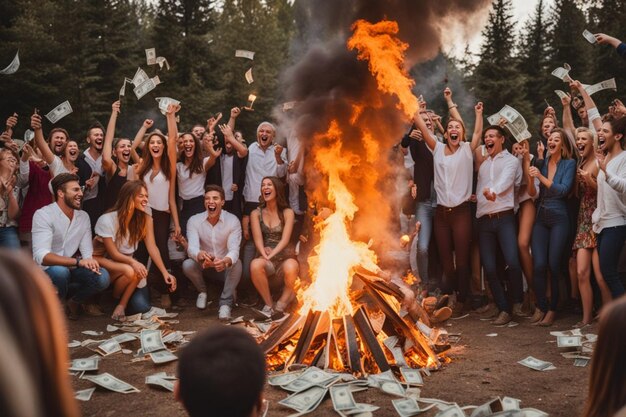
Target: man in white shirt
<point>214,238</point>
<point>498,177</point>
<point>90,165</point>
<point>59,231</point>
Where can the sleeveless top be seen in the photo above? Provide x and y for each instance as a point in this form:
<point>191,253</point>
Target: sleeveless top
<point>271,238</point>
<point>113,189</point>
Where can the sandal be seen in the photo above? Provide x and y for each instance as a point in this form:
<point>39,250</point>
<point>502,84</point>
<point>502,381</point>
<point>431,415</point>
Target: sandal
<point>117,315</point>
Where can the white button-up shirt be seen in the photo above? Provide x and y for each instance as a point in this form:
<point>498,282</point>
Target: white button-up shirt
<point>502,175</point>
<point>220,240</point>
<point>261,164</point>
<point>96,168</point>
<point>54,232</point>
<point>453,174</point>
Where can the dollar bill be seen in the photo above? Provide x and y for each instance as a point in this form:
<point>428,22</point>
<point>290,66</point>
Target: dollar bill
<point>151,341</point>
<point>92,333</point>
<point>163,356</point>
<point>568,341</point>
<point>249,77</point>
<point>73,344</point>
<point>341,395</point>
<point>283,379</point>
<point>13,66</point>
<point>156,311</point>
<point>111,328</point>
<point>151,56</point>
<point>534,363</point>
<point>515,122</point>
<point>158,380</point>
<point>305,401</point>
<point>411,376</point>
<point>604,85</point>
<point>510,403</point>
<point>160,61</point>
<point>85,364</point>
<point>164,103</point>
<point>488,408</point>
<point>561,94</point>
<point>562,73</point>
<point>242,53</point>
<point>144,88</point>
<point>451,411</point>
<point>109,346</point>
<point>310,377</point>
<point>124,337</point>
<point>140,77</point>
<point>361,409</point>
<point>54,116</point>
<point>84,394</point>
<point>533,412</point>
<point>289,105</point>
<point>392,387</point>
<point>589,36</point>
<point>406,407</point>
<point>111,383</point>
<point>581,362</point>
<point>28,135</point>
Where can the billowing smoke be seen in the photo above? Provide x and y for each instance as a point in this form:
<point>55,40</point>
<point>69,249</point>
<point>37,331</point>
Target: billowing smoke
<point>329,83</point>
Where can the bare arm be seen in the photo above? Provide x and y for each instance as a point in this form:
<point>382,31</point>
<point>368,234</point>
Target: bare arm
<point>568,120</point>
<point>229,136</point>
<point>452,108</point>
<point>147,124</point>
<point>478,126</point>
<point>257,235</point>
<point>589,103</point>
<point>172,136</point>
<point>426,135</point>
<point>46,153</point>
<point>286,237</point>
<point>107,148</point>
<point>234,113</point>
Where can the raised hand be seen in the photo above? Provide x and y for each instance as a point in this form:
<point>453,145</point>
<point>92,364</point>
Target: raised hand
<point>235,112</point>
<point>115,107</point>
<point>147,124</point>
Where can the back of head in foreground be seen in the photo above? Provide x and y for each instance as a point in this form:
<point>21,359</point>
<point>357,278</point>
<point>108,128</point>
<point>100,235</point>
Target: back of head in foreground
<point>34,381</point>
<point>221,373</point>
<point>607,383</point>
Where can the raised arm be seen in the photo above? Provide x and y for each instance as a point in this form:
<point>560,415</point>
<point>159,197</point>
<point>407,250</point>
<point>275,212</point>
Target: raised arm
<point>107,148</point>
<point>421,126</point>
<point>147,124</point>
<point>590,105</point>
<point>452,107</point>
<point>234,113</point>
<point>568,120</point>
<point>229,136</point>
<point>46,153</point>
<point>172,136</point>
<point>478,126</point>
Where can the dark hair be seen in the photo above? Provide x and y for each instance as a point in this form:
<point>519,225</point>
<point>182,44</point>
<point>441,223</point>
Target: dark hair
<point>618,126</point>
<point>195,165</point>
<point>148,162</point>
<point>34,337</point>
<point>58,182</point>
<point>222,373</point>
<point>281,197</point>
<point>94,126</point>
<point>497,128</point>
<point>131,221</point>
<point>214,187</point>
<point>607,382</point>
<point>567,152</point>
<point>58,129</point>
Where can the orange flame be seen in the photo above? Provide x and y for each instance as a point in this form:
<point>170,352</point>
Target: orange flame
<point>378,44</point>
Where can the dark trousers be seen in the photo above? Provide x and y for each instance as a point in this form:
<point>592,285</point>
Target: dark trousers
<point>610,243</point>
<point>548,244</point>
<point>161,223</point>
<point>190,208</point>
<point>453,232</point>
<point>494,232</point>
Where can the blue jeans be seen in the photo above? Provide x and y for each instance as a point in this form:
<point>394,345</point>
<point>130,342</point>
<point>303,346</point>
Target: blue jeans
<point>610,243</point>
<point>548,244</point>
<point>77,283</point>
<point>502,231</point>
<point>424,214</point>
<point>139,302</point>
<point>9,238</point>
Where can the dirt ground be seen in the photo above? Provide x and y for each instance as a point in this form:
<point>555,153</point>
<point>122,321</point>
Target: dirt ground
<point>481,368</point>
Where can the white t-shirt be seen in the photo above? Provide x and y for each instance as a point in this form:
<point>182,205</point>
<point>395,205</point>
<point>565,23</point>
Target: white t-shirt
<point>611,209</point>
<point>453,174</point>
<point>158,191</point>
<point>193,187</point>
<point>57,167</point>
<point>107,226</point>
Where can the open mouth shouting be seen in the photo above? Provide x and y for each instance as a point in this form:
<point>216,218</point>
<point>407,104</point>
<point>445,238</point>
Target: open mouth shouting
<point>126,155</point>
<point>581,148</point>
<point>188,149</point>
<point>601,141</point>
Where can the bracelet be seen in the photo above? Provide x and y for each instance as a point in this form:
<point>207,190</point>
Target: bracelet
<point>452,107</point>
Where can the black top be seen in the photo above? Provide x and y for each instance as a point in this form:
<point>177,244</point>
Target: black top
<point>113,189</point>
<point>423,170</point>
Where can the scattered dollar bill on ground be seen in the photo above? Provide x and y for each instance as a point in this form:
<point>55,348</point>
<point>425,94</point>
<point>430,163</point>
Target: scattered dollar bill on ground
<point>157,311</point>
<point>92,333</point>
<point>411,376</point>
<point>57,114</point>
<point>242,53</point>
<point>341,396</point>
<point>163,356</point>
<point>283,379</point>
<point>111,328</point>
<point>589,36</point>
<point>581,362</point>
<point>151,341</point>
<point>124,337</point>
<point>604,85</point>
<point>111,383</point>
<point>406,407</point>
<point>109,347</point>
<point>151,56</point>
<point>536,364</point>
<point>13,66</point>
<point>568,341</point>
<point>305,401</point>
<point>162,380</point>
<point>84,394</point>
<point>73,344</point>
<point>451,411</point>
<point>85,364</point>
<point>249,77</point>
<point>510,403</point>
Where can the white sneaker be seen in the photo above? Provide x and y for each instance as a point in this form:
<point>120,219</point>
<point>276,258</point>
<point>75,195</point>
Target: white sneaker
<point>224,313</point>
<point>267,311</point>
<point>201,301</point>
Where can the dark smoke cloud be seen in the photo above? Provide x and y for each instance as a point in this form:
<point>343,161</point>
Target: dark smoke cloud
<point>327,79</point>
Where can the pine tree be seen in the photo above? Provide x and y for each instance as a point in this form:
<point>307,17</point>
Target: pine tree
<point>532,61</point>
<point>496,79</point>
